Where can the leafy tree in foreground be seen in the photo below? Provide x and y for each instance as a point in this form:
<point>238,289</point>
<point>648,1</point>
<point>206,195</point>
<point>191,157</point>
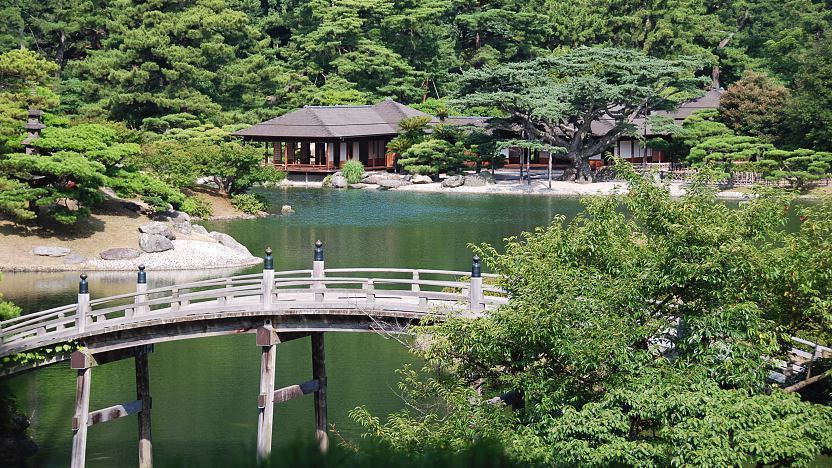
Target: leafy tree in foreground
<point>557,99</point>
<point>635,340</point>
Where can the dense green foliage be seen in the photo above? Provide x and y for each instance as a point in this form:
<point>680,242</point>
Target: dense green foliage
<point>7,309</point>
<point>754,106</point>
<point>709,142</point>
<point>232,60</point>
<point>249,203</point>
<point>638,339</point>
<point>440,149</point>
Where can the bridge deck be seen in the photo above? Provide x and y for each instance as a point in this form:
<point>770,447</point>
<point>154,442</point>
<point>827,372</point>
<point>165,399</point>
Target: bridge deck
<point>292,301</point>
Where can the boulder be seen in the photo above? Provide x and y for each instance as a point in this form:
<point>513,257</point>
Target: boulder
<point>287,209</point>
<point>119,253</point>
<point>137,206</point>
<point>358,185</point>
<point>392,183</point>
<point>158,228</point>
<point>199,229</point>
<point>173,216</point>
<point>184,228</point>
<point>477,180</point>
<point>376,177</point>
<point>50,251</point>
<point>339,181</point>
<point>74,259</point>
<point>154,243</point>
<point>453,181</point>
<point>229,242</point>
<point>421,179</point>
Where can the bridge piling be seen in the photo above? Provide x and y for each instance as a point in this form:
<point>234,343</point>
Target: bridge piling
<point>319,374</point>
<point>143,395</point>
<point>266,338</point>
<point>80,421</point>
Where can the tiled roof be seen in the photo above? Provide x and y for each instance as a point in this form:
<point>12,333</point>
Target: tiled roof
<point>334,122</point>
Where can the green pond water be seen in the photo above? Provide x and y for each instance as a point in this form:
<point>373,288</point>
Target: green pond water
<point>205,390</point>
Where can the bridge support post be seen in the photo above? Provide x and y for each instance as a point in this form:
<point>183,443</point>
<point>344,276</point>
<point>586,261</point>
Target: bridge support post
<point>318,271</point>
<point>267,293</point>
<point>319,374</point>
<point>143,395</point>
<point>83,304</point>
<point>141,297</point>
<point>475,303</point>
<point>267,339</point>
<point>80,421</point>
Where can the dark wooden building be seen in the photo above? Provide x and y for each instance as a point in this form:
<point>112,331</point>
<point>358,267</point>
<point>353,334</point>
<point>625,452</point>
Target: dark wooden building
<point>322,138</point>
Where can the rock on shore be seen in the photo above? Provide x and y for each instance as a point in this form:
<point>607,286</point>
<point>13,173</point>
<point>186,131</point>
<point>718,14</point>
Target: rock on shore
<point>186,255</point>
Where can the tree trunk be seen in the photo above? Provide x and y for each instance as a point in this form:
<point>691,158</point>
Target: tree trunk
<point>59,54</point>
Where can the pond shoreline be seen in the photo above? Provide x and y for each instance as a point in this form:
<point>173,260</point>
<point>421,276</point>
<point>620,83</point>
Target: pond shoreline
<point>536,188</point>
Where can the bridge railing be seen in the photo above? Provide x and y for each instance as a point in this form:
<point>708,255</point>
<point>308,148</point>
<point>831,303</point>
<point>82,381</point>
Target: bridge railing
<point>413,290</point>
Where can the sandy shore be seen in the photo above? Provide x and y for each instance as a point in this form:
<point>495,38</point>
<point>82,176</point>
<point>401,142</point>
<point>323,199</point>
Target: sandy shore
<point>109,226</point>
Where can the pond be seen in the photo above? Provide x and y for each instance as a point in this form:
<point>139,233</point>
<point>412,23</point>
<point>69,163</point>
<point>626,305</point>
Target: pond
<point>205,390</point>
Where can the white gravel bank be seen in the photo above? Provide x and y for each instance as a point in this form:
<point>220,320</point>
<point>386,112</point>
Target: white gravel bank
<point>537,187</point>
<point>186,255</point>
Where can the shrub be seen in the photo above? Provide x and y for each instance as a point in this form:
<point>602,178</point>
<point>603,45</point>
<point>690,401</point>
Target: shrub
<point>250,203</point>
<point>353,171</point>
<point>197,207</point>
<point>327,182</point>
<point>146,186</point>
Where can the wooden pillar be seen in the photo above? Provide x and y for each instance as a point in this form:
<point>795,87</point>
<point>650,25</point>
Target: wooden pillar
<point>80,421</point>
<point>267,340</point>
<point>143,395</point>
<point>319,374</point>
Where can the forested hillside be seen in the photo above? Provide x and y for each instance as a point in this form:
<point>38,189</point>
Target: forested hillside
<point>227,61</point>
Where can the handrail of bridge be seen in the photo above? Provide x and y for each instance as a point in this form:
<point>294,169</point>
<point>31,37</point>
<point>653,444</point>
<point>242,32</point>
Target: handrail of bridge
<point>265,291</point>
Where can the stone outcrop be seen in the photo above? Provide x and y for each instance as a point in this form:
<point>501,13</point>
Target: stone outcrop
<point>199,229</point>
<point>74,259</point>
<point>184,228</point>
<point>453,181</point>
<point>50,251</point>
<point>287,209</point>
<point>157,228</point>
<point>173,216</point>
<point>421,179</point>
<point>119,253</point>
<point>392,183</point>
<point>154,242</point>
<point>229,241</point>
<point>478,180</point>
<point>339,181</point>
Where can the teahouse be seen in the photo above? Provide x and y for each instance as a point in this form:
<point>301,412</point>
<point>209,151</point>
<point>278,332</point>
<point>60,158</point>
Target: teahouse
<point>322,138</point>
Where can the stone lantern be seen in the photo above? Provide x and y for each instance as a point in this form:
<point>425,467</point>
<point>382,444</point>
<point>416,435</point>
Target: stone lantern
<point>33,128</point>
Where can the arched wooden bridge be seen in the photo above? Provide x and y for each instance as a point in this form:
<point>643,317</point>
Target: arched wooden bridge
<point>276,306</point>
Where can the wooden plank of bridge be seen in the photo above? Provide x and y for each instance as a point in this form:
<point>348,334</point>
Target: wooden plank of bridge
<point>319,374</point>
<point>267,339</point>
